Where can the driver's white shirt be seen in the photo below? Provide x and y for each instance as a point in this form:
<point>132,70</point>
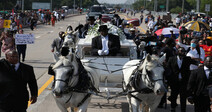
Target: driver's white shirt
<point>104,43</point>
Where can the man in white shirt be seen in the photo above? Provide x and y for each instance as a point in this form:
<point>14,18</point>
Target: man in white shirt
<point>194,51</point>
<point>106,44</point>
<point>178,20</point>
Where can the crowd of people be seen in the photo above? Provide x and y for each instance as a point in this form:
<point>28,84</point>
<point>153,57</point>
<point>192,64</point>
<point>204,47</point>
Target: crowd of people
<point>31,18</point>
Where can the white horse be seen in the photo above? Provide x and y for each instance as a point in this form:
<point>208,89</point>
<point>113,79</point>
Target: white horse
<point>73,81</point>
<point>144,80</point>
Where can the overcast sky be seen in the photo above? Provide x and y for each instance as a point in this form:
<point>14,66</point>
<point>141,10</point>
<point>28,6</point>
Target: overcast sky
<point>112,1</point>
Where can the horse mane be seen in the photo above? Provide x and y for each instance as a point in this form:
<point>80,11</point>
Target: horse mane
<point>63,61</point>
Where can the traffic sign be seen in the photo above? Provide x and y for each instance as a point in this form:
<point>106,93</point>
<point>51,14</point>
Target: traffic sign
<point>162,6</point>
<point>207,7</point>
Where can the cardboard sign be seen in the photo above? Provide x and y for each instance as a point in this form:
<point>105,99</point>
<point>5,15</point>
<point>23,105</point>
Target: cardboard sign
<point>21,39</point>
<point>7,23</point>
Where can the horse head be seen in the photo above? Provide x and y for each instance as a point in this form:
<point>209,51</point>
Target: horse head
<point>152,73</point>
<point>70,40</point>
<point>64,76</point>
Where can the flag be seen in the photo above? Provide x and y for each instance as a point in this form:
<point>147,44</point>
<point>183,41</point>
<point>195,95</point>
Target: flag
<point>7,23</point>
<point>12,11</point>
<point>1,23</point>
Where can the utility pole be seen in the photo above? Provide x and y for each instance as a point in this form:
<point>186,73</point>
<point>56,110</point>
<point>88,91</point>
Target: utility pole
<point>74,6</point>
<point>80,3</point>
<point>167,5</point>
<point>51,6</point>
<point>144,4</point>
<point>155,5</point>
<point>183,6</point>
<point>22,5</point>
<point>198,5</point>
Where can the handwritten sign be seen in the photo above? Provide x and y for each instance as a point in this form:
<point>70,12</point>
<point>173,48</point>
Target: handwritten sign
<point>21,39</point>
<point>7,23</point>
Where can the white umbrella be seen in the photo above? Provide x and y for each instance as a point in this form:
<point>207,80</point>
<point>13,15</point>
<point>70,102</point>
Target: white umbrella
<point>166,31</point>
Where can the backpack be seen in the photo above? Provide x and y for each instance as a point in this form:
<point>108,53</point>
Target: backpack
<point>197,48</point>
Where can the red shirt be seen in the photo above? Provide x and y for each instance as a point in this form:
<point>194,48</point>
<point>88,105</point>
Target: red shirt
<point>207,49</point>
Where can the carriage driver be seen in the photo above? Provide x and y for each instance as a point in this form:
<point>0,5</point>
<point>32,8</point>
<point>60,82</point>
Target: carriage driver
<point>57,44</point>
<point>105,44</point>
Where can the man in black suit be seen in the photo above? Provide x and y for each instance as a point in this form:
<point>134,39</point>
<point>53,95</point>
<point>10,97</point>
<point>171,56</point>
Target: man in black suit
<point>198,84</point>
<point>178,80</point>
<point>117,20</point>
<point>90,24</point>
<point>14,78</point>
<point>106,44</point>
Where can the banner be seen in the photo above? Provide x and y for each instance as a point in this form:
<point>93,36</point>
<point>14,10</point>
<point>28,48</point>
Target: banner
<point>7,23</point>
<point>1,23</point>
<point>21,39</point>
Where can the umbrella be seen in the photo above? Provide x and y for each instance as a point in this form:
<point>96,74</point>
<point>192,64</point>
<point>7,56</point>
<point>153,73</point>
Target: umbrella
<point>166,31</point>
<point>196,25</point>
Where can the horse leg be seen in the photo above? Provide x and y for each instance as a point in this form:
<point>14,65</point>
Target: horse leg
<point>61,107</point>
<point>135,105</point>
<point>83,107</point>
<point>130,104</point>
<point>153,106</point>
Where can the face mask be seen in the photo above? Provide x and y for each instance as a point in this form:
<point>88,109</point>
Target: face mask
<point>193,45</point>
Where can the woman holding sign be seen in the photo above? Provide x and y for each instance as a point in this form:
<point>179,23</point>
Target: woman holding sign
<point>8,42</point>
<point>21,48</point>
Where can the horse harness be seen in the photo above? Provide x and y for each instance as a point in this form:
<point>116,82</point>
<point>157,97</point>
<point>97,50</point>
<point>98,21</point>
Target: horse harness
<point>84,84</point>
<point>134,82</point>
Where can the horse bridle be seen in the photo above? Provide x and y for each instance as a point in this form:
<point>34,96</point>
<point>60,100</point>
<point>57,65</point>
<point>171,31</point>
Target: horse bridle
<point>150,80</point>
<point>67,80</point>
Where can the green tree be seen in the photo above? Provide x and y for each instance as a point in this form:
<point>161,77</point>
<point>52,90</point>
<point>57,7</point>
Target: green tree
<point>202,6</point>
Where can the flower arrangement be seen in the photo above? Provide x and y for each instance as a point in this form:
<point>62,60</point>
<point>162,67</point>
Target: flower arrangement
<point>93,32</point>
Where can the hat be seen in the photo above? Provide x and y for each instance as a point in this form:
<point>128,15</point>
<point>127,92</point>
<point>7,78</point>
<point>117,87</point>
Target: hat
<point>103,28</point>
<point>91,18</point>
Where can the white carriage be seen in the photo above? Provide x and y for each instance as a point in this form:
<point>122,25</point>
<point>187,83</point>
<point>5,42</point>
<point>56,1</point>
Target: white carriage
<point>109,67</point>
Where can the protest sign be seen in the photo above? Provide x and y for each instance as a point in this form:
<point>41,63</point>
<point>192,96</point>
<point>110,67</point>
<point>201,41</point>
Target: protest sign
<point>7,23</point>
<point>21,39</point>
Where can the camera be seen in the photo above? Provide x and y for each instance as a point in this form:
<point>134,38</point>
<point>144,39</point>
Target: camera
<point>183,30</point>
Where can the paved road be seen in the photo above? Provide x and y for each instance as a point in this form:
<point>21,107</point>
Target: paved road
<point>39,56</point>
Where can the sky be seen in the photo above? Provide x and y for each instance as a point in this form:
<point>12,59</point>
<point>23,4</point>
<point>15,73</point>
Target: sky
<point>112,1</point>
